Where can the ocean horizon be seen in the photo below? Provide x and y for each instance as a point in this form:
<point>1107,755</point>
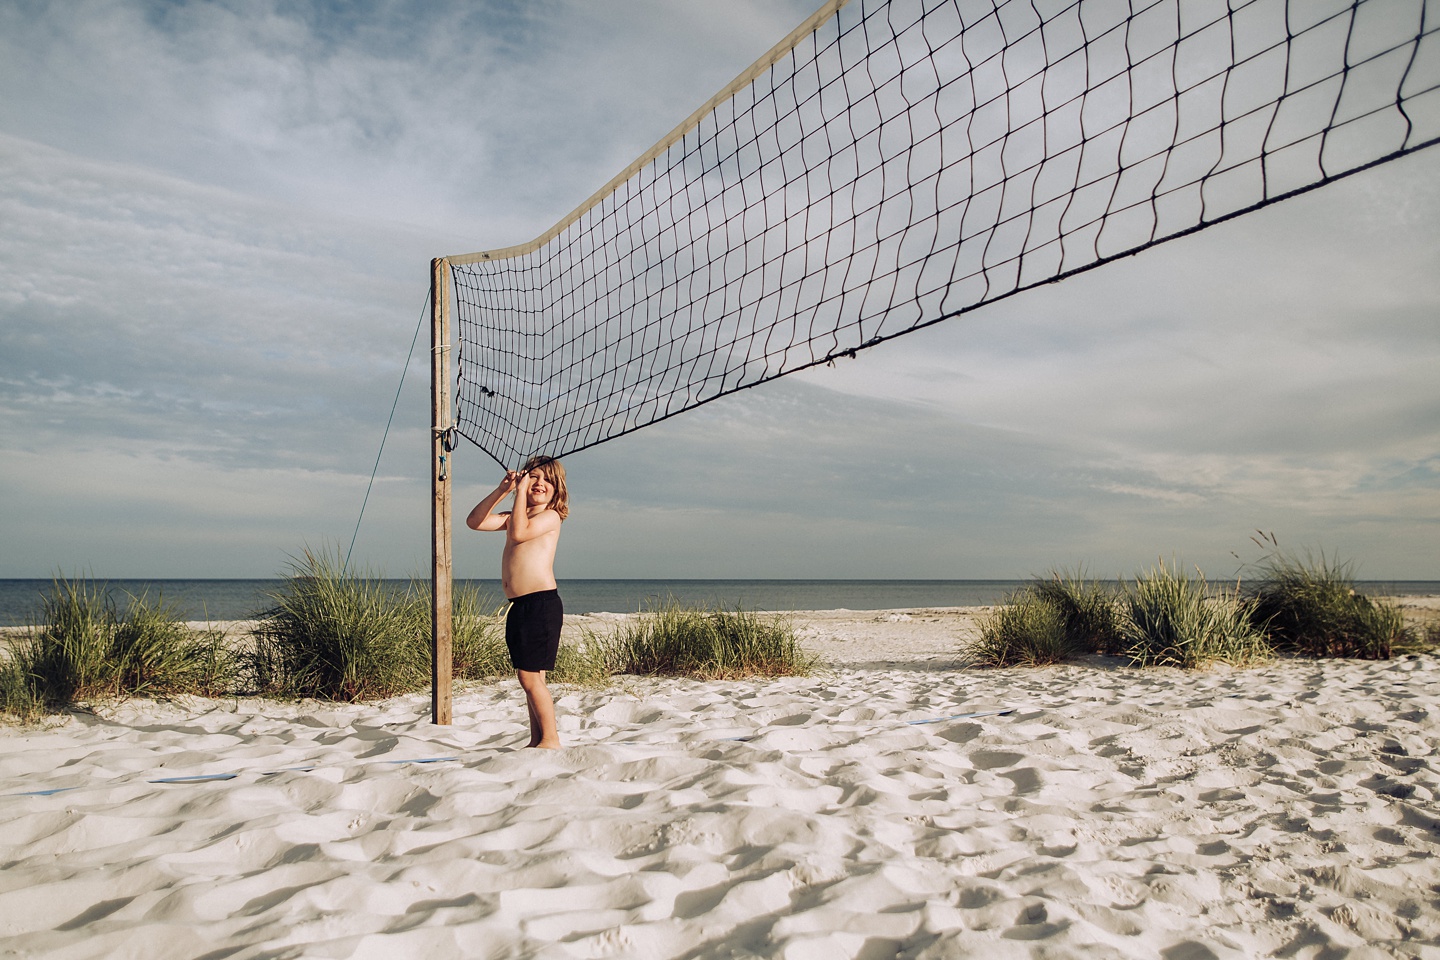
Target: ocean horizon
<point>243,599</point>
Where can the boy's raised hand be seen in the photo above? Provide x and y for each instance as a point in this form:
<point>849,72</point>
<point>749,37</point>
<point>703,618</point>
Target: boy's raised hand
<point>484,517</point>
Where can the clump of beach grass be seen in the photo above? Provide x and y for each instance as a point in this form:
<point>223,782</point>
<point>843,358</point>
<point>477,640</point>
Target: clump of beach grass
<point>86,647</point>
<point>704,643</point>
<point>1027,630</point>
<point>1311,607</point>
<point>156,653</point>
<point>1170,619</point>
<point>586,664</point>
<point>336,635</point>
<point>18,695</point>
<point>1421,639</point>
<point>1087,608</point>
<point>1050,620</point>
<point>477,637</point>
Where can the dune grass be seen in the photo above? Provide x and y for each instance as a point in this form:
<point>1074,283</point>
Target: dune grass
<point>586,664</point>
<point>338,636</point>
<point>671,640</point>
<point>1027,630</point>
<point>1420,639</point>
<point>1050,620</point>
<point>17,694</point>
<point>1164,618</point>
<point>1310,607</point>
<point>477,635</point>
<point>1171,619</point>
<point>335,635</point>
<point>88,648</point>
<point>1087,608</point>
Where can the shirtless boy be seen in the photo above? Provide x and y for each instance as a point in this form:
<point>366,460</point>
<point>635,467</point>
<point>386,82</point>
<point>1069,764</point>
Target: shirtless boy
<point>527,575</point>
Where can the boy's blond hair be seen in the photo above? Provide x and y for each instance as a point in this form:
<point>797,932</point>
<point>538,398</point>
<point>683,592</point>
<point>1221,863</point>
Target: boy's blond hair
<point>552,470</point>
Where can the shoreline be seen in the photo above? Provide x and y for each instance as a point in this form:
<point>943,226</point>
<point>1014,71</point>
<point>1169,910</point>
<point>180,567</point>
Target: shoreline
<point>924,637</point>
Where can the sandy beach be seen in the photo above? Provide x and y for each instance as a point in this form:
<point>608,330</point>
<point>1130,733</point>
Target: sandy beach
<point>1286,811</point>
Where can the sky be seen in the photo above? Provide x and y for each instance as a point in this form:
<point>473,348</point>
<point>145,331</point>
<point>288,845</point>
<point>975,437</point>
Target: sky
<point>217,226</point>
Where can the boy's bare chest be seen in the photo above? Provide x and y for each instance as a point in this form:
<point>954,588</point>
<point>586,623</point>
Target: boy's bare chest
<point>540,546</point>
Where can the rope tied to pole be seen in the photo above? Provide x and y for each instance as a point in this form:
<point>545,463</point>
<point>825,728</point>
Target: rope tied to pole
<point>419,324</point>
<point>448,441</point>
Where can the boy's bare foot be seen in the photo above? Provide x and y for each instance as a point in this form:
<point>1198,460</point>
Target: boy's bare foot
<point>545,745</point>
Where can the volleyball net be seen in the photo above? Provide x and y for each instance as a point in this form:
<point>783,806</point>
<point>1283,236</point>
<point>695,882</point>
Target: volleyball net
<point>894,164</point>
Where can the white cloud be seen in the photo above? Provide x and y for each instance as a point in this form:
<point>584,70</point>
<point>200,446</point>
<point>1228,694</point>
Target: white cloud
<point>491,117</point>
<point>141,306</point>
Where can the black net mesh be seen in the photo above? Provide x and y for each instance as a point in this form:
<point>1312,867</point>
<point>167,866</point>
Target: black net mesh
<point>912,160</point>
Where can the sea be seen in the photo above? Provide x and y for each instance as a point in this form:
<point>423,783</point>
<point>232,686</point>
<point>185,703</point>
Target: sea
<point>21,600</point>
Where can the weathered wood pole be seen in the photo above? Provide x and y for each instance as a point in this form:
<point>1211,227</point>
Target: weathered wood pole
<point>440,614</point>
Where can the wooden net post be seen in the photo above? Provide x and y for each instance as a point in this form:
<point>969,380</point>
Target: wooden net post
<point>440,622</point>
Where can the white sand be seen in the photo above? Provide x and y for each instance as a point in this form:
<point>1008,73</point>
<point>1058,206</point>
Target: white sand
<point>1288,811</point>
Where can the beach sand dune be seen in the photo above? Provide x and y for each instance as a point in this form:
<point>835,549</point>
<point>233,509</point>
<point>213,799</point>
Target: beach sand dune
<point>1285,811</point>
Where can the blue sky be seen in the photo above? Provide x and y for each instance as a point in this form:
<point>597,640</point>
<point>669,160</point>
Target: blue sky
<point>218,221</point>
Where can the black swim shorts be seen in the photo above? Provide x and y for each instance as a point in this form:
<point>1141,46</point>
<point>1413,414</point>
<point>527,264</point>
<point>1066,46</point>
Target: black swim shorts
<point>532,630</point>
